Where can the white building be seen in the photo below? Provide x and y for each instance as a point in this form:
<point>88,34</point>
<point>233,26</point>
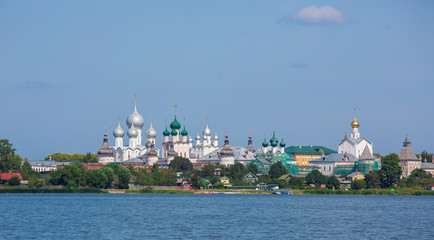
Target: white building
<point>175,142</point>
<point>205,145</point>
<point>355,144</point>
<point>134,148</point>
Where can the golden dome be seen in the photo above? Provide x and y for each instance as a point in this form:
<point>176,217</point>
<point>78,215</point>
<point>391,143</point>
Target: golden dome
<point>355,124</point>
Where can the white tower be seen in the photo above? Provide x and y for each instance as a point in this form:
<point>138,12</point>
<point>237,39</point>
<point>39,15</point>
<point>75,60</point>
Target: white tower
<point>216,140</point>
<point>138,121</point>
<point>151,133</point>
<point>118,133</point>
<point>132,134</point>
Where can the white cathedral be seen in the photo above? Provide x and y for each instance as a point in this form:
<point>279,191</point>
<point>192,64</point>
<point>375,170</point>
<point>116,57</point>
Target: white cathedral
<point>355,144</point>
<point>134,148</point>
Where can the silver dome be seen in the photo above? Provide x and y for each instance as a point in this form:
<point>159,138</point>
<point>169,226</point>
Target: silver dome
<point>151,132</point>
<point>207,131</point>
<point>197,137</point>
<point>136,118</point>
<point>118,132</point>
<point>216,137</point>
<point>132,132</point>
<point>190,140</point>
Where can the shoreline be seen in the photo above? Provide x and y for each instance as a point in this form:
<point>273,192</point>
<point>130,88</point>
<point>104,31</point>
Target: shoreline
<point>397,192</point>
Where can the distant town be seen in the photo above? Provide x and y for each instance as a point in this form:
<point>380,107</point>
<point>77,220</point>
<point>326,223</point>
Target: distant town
<point>184,163</point>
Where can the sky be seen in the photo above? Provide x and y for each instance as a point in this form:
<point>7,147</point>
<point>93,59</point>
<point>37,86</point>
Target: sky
<point>68,69</point>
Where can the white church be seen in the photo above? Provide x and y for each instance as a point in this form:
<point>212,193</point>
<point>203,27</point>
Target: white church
<point>355,144</point>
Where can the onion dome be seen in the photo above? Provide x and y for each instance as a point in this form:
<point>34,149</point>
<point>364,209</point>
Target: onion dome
<point>215,136</point>
<point>355,124</point>
<point>190,139</point>
<point>282,144</point>
<point>175,124</point>
<point>132,132</point>
<point>197,137</point>
<point>151,132</point>
<point>135,118</point>
<point>207,131</point>
<point>166,132</point>
<point>265,143</point>
<point>273,140</point>
<point>174,132</point>
<point>184,132</point>
<point>119,132</point>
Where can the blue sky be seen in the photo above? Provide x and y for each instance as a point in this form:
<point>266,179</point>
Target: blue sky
<point>70,68</point>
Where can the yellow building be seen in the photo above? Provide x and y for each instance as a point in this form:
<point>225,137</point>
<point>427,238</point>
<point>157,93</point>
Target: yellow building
<point>225,181</point>
<point>355,176</point>
<point>304,154</point>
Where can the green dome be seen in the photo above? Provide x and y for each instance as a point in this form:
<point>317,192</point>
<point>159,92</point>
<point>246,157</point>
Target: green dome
<point>274,140</point>
<point>174,132</point>
<point>282,144</point>
<point>265,144</point>
<point>184,132</point>
<point>175,124</point>
<point>166,132</point>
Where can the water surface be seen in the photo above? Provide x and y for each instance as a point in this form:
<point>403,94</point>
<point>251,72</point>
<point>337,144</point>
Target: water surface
<point>178,216</point>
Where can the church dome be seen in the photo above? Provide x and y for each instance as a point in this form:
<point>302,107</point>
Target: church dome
<point>190,139</point>
<point>265,143</point>
<point>207,131</point>
<point>174,132</point>
<point>355,124</point>
<point>273,140</point>
<point>166,132</point>
<point>216,137</point>
<point>175,124</point>
<point>151,132</point>
<point>119,132</point>
<point>184,132</point>
<point>135,118</point>
<point>132,132</point>
<point>282,144</point>
<point>198,137</point>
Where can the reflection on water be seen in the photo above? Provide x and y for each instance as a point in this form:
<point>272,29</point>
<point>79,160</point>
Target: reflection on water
<point>162,216</point>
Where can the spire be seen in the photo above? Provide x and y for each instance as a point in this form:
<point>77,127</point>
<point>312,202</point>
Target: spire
<point>407,141</point>
<point>250,143</point>
<point>345,137</point>
<point>135,102</point>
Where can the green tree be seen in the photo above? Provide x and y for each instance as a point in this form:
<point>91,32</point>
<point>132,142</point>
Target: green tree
<point>110,175</point>
<point>316,177</point>
<point>426,156</point>
<point>195,181</point>
<point>27,171</point>
<point>390,171</point>
<point>372,179</point>
<point>333,183</point>
<point>420,173</point>
<point>34,182</point>
<point>14,181</point>
<point>203,183</point>
<point>208,170</point>
<point>264,178</point>
<point>296,182</point>
<point>277,170</point>
<point>181,164</point>
<point>237,170</point>
<point>70,175</point>
<point>357,184</point>
<point>124,177</point>
<point>253,168</point>
<point>7,156</point>
<point>96,178</point>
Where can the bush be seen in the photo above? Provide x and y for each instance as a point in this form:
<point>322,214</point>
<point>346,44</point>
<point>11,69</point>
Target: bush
<point>14,181</point>
<point>358,184</point>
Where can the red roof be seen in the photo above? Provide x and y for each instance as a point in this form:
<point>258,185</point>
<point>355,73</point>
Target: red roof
<point>7,176</point>
<point>431,185</point>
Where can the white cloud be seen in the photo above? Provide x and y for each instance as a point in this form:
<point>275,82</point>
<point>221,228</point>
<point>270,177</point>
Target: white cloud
<point>315,15</point>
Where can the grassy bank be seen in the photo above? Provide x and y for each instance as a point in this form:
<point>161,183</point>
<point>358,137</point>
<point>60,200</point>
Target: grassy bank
<point>160,191</point>
<point>408,191</point>
<point>51,190</point>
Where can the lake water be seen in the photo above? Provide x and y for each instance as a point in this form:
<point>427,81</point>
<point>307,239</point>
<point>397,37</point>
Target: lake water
<point>177,216</point>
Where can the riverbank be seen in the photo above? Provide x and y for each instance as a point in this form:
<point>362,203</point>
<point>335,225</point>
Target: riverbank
<point>407,192</point>
<point>52,190</point>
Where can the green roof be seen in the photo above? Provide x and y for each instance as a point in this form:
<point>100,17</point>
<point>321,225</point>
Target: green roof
<point>308,149</point>
<point>175,124</point>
